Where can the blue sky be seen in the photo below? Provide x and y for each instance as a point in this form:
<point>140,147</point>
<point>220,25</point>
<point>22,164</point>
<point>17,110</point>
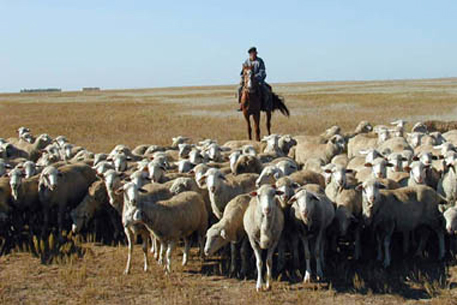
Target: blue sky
<point>141,44</point>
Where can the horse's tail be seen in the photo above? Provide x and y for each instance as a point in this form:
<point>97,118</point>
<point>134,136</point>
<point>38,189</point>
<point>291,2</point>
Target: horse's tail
<point>278,104</point>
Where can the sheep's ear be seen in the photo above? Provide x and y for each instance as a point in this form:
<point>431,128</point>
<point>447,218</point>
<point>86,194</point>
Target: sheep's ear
<point>295,185</point>
<point>202,179</point>
<point>292,200</point>
<point>59,174</point>
<point>404,159</point>
<point>313,196</point>
<point>434,157</point>
<point>8,166</point>
<point>224,178</point>
<point>349,171</point>
<point>328,171</point>
<point>279,193</point>
<point>416,158</point>
<point>359,187</point>
<point>119,191</point>
<point>389,165</point>
<point>128,158</point>
<point>407,169</point>
<point>381,186</point>
<point>441,157</point>
<point>142,190</point>
<point>253,194</point>
<point>223,234</point>
<point>368,165</point>
<point>192,172</point>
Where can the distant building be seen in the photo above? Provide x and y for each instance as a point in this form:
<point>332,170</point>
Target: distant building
<point>91,89</point>
<point>41,90</point>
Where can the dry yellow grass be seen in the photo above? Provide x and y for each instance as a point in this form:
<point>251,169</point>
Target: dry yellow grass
<point>100,120</point>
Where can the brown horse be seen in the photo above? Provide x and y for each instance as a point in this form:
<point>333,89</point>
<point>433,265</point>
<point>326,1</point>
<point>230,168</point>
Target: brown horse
<point>251,103</point>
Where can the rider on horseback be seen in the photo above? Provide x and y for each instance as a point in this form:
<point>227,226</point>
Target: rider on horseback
<point>260,75</point>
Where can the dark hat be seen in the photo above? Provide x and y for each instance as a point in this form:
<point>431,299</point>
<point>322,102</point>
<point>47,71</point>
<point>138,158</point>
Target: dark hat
<point>253,49</point>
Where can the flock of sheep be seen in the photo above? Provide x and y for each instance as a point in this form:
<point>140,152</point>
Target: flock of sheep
<point>281,195</point>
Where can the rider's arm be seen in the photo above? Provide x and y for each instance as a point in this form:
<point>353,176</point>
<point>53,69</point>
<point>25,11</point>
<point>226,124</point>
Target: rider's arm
<point>262,74</point>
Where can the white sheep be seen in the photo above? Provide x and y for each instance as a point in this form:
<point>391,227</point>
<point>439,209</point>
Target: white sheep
<point>263,222</point>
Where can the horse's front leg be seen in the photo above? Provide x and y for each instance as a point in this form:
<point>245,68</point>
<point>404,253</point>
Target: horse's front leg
<point>257,126</point>
<point>269,122</point>
<point>248,121</point>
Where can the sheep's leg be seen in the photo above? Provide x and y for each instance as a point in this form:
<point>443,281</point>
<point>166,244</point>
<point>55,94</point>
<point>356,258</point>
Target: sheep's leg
<point>322,250</point>
<point>296,258</point>
<point>405,242</point>
<point>145,251</point>
<point>387,239</point>
<point>44,230</point>
<point>154,249</point>
<point>441,244</point>
<point>269,264</point>
<point>422,242</point>
<point>162,252</point>
<point>281,254</point>
<point>186,249</point>
<point>244,258</point>
<point>170,248</point>
<point>379,247</point>
<point>60,220</point>
<point>233,257</point>
<point>201,244</point>
<point>259,263</point>
<point>317,254</point>
<point>129,234</point>
<point>357,248</point>
<point>307,277</point>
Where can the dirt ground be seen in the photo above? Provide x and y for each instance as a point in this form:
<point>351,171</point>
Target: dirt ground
<point>100,120</point>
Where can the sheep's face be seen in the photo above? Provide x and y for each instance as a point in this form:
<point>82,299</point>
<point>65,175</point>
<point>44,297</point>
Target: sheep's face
<point>184,166</point>
<point>215,239</point>
<point>131,194</point>
<point>161,159</point>
<point>287,187</point>
<point>379,168</point>
<point>181,185</point>
<point>103,167</point>
<point>140,178</point>
<point>249,150</point>
<point>363,127</point>
<point>199,172</point>
<point>397,162</point>
<point>305,203</point>
<point>178,140</point>
<point>80,216</point>
<point>417,171</point>
<point>142,165</point>
<point>233,158</point>
<point>27,137</point>
<point>339,176</point>
<point>195,157</point>
<point>67,153</point>
<point>15,176</point>
<point>370,194</point>
<point>427,158</point>
<point>269,175</point>
<point>450,217</point>
<point>266,197</point>
<point>21,130</point>
<point>156,171</point>
<point>184,150</point>
<point>383,135</point>
<point>214,152</point>
<point>29,169</point>
<point>214,179</point>
<point>438,137</point>
<point>49,177</point>
<point>415,139</point>
<point>120,162</point>
<point>287,167</point>
<point>111,179</point>
<point>338,140</point>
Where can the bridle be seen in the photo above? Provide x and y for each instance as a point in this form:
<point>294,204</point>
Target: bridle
<point>249,83</point>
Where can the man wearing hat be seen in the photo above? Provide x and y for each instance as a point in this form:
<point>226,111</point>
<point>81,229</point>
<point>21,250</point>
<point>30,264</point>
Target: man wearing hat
<point>260,74</point>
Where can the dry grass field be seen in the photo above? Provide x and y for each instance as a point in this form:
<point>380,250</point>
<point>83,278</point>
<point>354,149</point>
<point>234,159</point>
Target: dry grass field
<point>100,120</point>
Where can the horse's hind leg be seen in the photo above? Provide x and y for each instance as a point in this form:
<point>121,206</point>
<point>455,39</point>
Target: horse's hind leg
<point>257,126</point>
<point>269,122</point>
<point>248,121</point>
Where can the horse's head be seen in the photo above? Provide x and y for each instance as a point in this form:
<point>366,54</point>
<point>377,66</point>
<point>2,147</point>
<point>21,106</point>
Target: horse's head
<point>249,83</point>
